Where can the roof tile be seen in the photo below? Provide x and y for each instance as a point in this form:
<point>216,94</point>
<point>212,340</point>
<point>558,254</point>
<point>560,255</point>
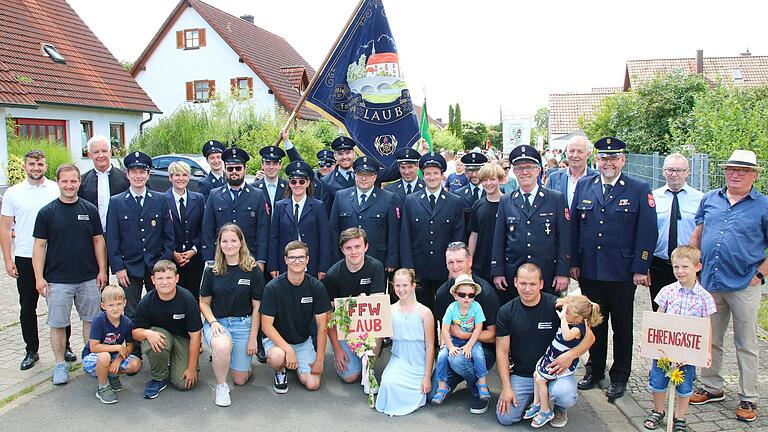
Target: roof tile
<point>566,108</point>
<point>753,69</point>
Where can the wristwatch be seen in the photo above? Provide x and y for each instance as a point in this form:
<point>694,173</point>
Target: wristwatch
<point>761,277</point>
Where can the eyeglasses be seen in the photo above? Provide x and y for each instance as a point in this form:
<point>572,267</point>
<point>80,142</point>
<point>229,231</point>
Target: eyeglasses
<point>525,168</point>
<point>457,244</point>
<point>237,168</point>
<point>506,168</point>
<point>467,295</point>
<point>739,171</point>
<point>675,171</point>
<point>300,182</point>
<point>325,164</point>
<point>296,259</point>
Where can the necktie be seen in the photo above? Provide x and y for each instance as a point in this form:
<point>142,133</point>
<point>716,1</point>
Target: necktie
<point>607,191</point>
<point>349,177</point>
<point>476,193</point>
<point>527,201</point>
<point>235,193</point>
<point>138,200</point>
<point>272,192</point>
<point>296,220</point>
<point>674,216</point>
<point>362,200</point>
<point>432,201</point>
<point>408,189</point>
<point>182,211</point>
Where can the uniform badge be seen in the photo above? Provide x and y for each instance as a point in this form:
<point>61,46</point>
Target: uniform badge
<point>645,256</point>
<point>253,214</point>
<point>586,201</point>
<point>266,208</point>
<point>397,212</point>
<point>583,215</point>
<point>547,230</point>
<point>567,214</point>
<point>624,202</point>
<point>154,222</point>
<point>651,201</point>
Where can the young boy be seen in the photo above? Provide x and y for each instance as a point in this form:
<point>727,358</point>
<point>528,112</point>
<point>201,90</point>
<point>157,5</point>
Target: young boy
<point>108,352</point>
<point>684,297</point>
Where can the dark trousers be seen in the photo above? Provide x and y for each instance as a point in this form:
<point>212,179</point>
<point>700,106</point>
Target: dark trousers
<point>661,276</point>
<point>191,274</point>
<point>425,294</point>
<point>28,297</point>
<point>134,291</point>
<point>616,300</point>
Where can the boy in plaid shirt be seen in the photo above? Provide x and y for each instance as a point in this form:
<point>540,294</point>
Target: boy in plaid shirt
<point>684,297</point>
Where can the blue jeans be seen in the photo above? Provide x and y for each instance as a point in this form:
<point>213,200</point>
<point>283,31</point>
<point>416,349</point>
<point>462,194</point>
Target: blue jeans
<point>461,369</point>
<point>562,391</point>
<point>658,380</point>
<point>478,360</point>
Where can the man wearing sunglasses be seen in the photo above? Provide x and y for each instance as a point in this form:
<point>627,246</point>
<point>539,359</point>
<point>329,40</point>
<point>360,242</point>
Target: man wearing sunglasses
<point>238,203</point>
<point>325,164</point>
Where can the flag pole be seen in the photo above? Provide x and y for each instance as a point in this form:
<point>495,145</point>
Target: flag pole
<point>317,73</point>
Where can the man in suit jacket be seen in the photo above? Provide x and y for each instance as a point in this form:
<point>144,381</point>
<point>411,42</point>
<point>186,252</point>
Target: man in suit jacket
<point>342,176</point>
<point>139,232</point>
<point>272,184</point>
<point>564,180</point>
<point>408,164</point>
<point>103,181</point>
<point>212,151</point>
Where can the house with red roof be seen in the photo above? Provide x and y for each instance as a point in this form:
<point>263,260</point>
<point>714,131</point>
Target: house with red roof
<point>59,82</point>
<point>201,51</point>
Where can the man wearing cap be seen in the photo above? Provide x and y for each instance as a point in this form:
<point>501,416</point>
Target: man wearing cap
<point>212,151</point>
<point>408,164</point>
<point>472,192</point>
<point>614,236</point>
<point>342,176</point>
<point>732,233</point>
<point>373,209</point>
<point>238,203</point>
<point>532,225</point>
<point>102,182</point>
<point>431,220</point>
<point>325,164</point>
<point>139,232</point>
<point>272,185</point>
<point>577,150</point>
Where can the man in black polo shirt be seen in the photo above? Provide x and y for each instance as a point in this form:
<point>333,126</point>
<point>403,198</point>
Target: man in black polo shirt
<point>291,303</point>
<point>65,225</point>
<point>168,322</point>
<point>529,323</point>
<point>356,274</point>
<point>459,261</point>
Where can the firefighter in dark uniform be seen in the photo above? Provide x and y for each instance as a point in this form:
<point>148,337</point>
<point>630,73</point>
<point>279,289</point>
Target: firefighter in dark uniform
<point>532,225</point>
<point>212,151</point>
<point>472,192</point>
<point>139,231</point>
<point>271,184</point>
<point>408,163</point>
<point>239,203</point>
<point>325,164</point>
<point>373,209</point>
<point>342,176</point>
<point>432,219</point>
<point>614,236</point>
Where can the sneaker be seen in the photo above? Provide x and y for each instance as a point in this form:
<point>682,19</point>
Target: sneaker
<point>114,383</point>
<point>478,406</point>
<point>532,411</point>
<point>281,383</point>
<point>222,395</point>
<point>746,412</point>
<point>560,419</point>
<point>154,388</point>
<point>701,396</point>
<point>542,418</point>
<point>106,395</point>
<point>60,374</point>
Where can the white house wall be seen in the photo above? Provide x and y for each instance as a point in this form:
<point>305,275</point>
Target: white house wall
<point>168,69</point>
<point>73,115</point>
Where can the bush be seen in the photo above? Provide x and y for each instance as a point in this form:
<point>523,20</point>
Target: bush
<point>443,139</point>
<point>55,155</point>
<point>15,169</point>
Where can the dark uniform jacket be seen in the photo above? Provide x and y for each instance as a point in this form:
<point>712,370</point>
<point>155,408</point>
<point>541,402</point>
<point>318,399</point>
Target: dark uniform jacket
<point>118,183</point>
<point>190,234</point>
<point>314,230</point>
<point>398,188</point>
<point>250,213</point>
<point>209,183</point>
<point>281,186</point>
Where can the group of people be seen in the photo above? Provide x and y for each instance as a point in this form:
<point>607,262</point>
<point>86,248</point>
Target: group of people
<point>489,261</point>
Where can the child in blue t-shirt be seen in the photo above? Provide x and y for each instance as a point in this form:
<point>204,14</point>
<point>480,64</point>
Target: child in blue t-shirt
<point>108,352</point>
<point>466,316</point>
<point>458,179</point>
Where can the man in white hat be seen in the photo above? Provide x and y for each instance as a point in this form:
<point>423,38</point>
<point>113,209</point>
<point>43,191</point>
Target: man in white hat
<point>732,232</point>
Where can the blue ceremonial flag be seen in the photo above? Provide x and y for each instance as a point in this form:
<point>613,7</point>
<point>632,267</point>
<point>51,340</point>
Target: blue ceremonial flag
<point>361,87</point>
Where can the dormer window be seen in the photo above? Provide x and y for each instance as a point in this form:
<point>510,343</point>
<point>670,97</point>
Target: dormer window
<point>51,52</point>
<point>190,39</point>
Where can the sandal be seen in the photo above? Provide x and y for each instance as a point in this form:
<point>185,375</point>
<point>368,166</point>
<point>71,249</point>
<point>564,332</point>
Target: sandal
<point>542,418</point>
<point>679,425</point>
<point>532,411</point>
<point>653,420</point>
<point>439,396</point>
<point>483,391</point>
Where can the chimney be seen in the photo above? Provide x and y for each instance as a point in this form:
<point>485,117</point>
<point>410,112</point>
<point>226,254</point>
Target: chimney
<point>699,62</point>
<point>746,54</point>
<point>248,18</point>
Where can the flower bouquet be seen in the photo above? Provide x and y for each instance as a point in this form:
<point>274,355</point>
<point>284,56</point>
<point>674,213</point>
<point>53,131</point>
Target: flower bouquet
<point>676,377</point>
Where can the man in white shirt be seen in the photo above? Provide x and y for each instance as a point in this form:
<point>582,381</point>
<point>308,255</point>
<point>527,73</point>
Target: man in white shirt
<point>102,182</point>
<point>577,151</point>
<point>21,203</point>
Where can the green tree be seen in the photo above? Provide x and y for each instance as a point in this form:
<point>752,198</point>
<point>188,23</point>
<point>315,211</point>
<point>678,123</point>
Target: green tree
<point>443,139</point>
<point>496,136</point>
<point>458,128</point>
<point>474,134</point>
<point>541,121</point>
<point>451,118</point>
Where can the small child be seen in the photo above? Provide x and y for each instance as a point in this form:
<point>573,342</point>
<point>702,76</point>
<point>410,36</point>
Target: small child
<point>108,352</point>
<point>458,179</point>
<point>468,316</point>
<point>575,314</point>
<point>684,297</point>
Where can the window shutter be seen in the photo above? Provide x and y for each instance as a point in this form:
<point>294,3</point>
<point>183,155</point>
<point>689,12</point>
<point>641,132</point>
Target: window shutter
<point>180,39</point>
<point>233,86</point>
<point>190,91</point>
<point>211,89</point>
<point>250,86</point>
<point>201,33</point>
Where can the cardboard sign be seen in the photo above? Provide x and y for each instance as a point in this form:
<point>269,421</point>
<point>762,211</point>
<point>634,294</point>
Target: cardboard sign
<point>682,339</point>
<point>371,314</point>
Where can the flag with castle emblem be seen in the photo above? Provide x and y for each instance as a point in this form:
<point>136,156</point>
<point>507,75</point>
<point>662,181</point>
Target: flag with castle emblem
<point>362,90</point>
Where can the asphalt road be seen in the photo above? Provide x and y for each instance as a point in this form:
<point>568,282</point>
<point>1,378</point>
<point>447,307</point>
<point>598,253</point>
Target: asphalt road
<point>335,407</point>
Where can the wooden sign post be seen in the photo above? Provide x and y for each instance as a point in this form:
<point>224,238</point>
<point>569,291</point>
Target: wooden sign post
<point>371,314</point>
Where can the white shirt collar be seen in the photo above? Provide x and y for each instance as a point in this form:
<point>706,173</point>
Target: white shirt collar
<point>367,194</point>
<point>613,183</point>
<point>300,203</point>
<point>134,195</point>
<point>100,173</point>
<point>177,196</point>
<point>533,192</point>
<point>267,182</point>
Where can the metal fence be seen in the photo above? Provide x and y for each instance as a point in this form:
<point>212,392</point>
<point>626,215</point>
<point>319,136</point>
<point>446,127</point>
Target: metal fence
<point>705,173</point>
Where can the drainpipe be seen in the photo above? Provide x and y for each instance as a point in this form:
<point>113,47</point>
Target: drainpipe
<point>141,125</point>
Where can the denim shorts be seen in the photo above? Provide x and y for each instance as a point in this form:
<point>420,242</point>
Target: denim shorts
<point>84,295</point>
<point>354,365</point>
<point>658,380</point>
<point>89,363</point>
<point>237,329</point>
<point>305,353</point>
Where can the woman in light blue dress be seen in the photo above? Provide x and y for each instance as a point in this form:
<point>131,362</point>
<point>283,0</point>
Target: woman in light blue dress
<point>408,376</point>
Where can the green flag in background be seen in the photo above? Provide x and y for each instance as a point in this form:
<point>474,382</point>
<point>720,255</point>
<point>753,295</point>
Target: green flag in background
<point>424,125</point>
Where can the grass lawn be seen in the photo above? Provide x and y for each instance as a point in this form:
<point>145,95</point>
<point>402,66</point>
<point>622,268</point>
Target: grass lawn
<point>762,314</point>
